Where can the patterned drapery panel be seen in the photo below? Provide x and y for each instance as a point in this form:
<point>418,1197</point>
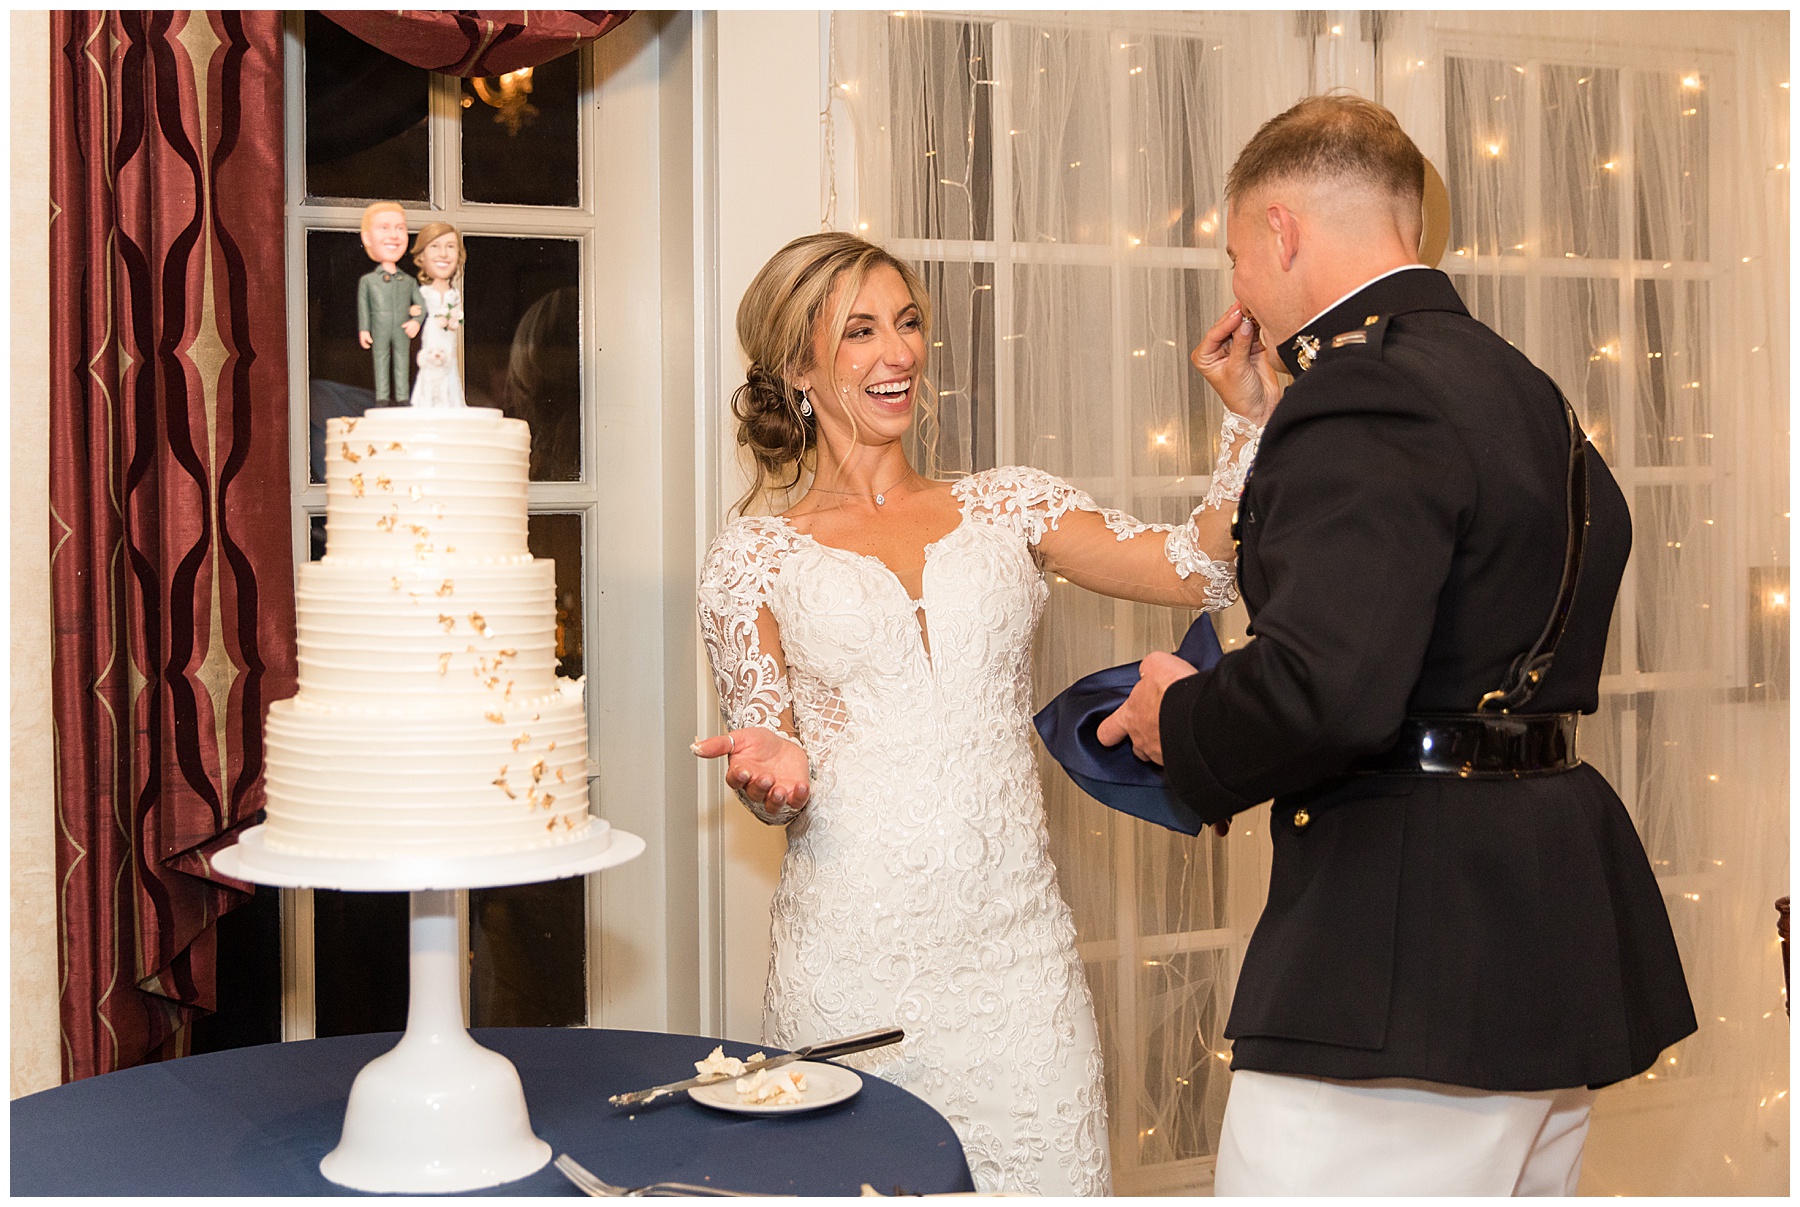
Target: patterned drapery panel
<point>472,43</point>
<point>171,559</point>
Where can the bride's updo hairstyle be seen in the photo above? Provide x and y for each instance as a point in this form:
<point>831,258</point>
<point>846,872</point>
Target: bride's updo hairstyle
<point>776,325</point>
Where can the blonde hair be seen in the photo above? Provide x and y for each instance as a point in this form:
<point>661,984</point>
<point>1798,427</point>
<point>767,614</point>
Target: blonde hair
<point>1332,138</point>
<point>776,324</point>
<point>381,207</point>
<point>428,234</point>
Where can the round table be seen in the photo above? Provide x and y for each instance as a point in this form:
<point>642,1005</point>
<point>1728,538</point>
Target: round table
<point>257,1121</point>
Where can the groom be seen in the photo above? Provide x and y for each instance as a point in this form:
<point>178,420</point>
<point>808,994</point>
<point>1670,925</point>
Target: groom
<point>1463,936</point>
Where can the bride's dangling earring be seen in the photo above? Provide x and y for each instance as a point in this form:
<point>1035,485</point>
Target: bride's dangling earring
<point>805,406</point>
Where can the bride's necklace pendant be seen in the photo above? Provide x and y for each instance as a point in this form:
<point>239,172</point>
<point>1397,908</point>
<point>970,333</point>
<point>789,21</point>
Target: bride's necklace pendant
<point>880,500</point>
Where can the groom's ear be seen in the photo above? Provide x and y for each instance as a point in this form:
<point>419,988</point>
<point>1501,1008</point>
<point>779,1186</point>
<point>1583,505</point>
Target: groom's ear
<point>1284,225</point>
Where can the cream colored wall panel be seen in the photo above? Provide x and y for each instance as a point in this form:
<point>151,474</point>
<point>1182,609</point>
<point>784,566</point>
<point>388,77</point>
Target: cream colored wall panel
<point>35,1063</point>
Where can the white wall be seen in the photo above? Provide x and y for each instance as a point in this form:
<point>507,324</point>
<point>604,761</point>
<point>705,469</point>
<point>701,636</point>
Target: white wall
<point>769,173</point>
<point>35,1062</point>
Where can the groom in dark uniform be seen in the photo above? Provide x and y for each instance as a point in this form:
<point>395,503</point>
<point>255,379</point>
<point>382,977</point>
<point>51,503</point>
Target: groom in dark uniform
<point>1463,937</point>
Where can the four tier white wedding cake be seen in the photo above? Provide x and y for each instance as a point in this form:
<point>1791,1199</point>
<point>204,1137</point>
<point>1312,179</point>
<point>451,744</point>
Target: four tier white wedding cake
<point>430,721</point>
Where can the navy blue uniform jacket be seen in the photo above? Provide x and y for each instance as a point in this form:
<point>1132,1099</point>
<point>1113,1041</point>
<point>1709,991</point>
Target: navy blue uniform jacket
<point>1401,542</point>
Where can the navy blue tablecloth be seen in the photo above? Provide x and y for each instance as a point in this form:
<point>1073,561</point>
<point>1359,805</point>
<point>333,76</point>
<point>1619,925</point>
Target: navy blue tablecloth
<point>256,1121</point>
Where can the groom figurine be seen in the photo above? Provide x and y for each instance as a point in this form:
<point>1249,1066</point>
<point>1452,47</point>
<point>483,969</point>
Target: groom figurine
<point>388,301</point>
<point>1463,937</point>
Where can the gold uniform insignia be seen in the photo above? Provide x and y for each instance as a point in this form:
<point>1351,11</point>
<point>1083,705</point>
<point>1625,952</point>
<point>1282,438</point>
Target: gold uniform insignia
<point>1306,347</point>
<point>1349,337</point>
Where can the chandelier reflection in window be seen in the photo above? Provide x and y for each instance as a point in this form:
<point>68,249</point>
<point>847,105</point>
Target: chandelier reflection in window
<point>510,95</point>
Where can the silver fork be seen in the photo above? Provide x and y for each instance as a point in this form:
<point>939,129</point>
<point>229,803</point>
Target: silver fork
<point>597,1188</point>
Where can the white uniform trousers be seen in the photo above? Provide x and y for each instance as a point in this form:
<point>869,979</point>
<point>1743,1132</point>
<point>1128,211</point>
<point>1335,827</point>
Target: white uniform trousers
<point>1291,1135</point>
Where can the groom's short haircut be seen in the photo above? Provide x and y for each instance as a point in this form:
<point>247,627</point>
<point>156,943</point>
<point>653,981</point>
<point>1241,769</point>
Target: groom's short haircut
<point>1331,138</point>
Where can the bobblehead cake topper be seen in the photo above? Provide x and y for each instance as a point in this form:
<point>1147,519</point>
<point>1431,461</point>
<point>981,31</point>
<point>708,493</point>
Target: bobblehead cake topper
<point>388,301</point>
<point>438,251</point>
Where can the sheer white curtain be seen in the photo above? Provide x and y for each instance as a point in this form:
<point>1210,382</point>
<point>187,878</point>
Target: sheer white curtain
<point>1618,187</point>
<point>1056,177</point>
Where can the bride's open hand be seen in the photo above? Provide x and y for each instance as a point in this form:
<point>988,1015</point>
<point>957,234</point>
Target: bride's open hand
<point>1239,366</point>
<point>769,768</point>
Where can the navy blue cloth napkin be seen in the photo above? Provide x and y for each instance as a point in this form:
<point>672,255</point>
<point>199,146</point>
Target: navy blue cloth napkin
<point>1113,775</point>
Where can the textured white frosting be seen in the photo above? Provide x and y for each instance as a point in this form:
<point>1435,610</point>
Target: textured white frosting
<point>429,721</point>
<point>404,483</point>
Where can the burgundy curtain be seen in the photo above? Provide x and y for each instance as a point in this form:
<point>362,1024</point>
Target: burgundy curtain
<point>171,559</point>
<point>470,43</point>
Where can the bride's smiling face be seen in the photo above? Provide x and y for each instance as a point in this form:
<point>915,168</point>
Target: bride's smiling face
<point>439,257</point>
<point>866,393</point>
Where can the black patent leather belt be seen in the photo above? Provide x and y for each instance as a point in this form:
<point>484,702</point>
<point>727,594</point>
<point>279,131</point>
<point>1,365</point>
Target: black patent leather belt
<point>1479,745</point>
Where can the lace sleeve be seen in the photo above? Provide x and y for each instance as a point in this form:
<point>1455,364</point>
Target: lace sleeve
<point>1103,550</point>
<point>1238,440</point>
<point>753,687</point>
<point>742,640</point>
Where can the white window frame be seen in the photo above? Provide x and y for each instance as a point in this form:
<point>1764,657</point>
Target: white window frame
<point>1248,844</point>
<point>582,498</point>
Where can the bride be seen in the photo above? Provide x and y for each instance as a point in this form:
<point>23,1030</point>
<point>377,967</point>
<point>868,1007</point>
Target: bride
<point>438,251</point>
<point>872,650</point>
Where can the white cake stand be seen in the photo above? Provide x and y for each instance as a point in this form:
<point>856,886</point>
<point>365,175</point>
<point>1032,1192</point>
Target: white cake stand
<point>439,1113</point>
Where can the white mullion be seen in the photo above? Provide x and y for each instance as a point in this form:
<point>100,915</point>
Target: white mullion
<point>1536,79</point>
<point>583,497</point>
<point>299,1017</point>
<point>1625,420</point>
<point>1129,1027</point>
<point>999,125</point>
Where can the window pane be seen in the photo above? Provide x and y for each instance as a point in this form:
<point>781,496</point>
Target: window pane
<point>528,955</point>
<point>315,527</point>
<point>961,367</point>
<point>1177,157</point>
<point>1174,414</point>
<point>521,136</point>
<point>1184,1076</point>
<point>360,962</point>
<point>1671,807</point>
<point>942,143</point>
<point>1671,143</point>
<point>1065,425</point>
<point>1672,379</point>
<point>1581,162</point>
<point>248,986</point>
<point>1583,351</point>
<point>1674,556</point>
<point>1086,838</point>
<point>366,134</point>
<point>1497,301</point>
<point>1484,105</point>
<point>557,536</point>
<point>1061,147</point>
<point>522,342</point>
<point>340,371</point>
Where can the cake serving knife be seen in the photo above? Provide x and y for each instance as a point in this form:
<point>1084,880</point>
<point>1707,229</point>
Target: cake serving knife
<point>821,1051</point>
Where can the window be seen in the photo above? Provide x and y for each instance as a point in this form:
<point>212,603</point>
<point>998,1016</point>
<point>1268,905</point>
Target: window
<point>1584,199</point>
<point>1056,180</point>
<point>510,162</point>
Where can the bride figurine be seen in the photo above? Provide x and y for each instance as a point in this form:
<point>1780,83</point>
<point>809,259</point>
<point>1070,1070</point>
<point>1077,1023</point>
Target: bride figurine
<point>438,251</point>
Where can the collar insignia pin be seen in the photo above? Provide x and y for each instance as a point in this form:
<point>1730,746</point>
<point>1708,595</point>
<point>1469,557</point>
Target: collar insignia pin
<point>1306,347</point>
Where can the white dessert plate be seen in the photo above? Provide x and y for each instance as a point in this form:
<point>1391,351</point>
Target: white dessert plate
<point>251,859</point>
<point>826,1085</point>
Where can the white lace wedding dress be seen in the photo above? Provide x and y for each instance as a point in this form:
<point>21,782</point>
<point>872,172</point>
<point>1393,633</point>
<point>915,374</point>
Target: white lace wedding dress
<point>439,383</point>
<point>918,889</point>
